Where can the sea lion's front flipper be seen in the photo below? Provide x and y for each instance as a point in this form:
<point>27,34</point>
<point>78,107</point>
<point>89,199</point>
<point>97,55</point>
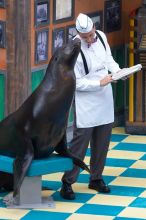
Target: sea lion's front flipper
<point>62,149</point>
<point>6,181</point>
<point>20,166</point>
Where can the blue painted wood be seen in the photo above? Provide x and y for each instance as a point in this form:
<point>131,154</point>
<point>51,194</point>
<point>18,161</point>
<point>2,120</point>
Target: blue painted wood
<point>52,164</point>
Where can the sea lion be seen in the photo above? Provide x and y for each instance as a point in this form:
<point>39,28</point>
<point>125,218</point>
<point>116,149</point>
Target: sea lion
<point>38,127</point>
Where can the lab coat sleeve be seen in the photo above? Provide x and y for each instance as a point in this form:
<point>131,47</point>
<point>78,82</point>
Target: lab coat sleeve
<point>111,64</point>
<point>83,81</point>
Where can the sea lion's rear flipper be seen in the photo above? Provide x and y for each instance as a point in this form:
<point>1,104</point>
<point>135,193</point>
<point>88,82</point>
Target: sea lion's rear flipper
<point>20,166</point>
<point>62,149</point>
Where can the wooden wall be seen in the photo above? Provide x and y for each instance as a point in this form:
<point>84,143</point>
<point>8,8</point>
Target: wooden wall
<point>115,38</point>
<point>128,7</point>
<point>117,41</point>
<point>2,50</point>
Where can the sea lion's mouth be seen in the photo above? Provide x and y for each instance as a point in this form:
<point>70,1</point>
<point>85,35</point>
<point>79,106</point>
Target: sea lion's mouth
<point>76,49</point>
<point>77,45</point>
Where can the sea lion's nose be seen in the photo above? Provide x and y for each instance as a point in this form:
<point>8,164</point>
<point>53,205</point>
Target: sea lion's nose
<point>77,41</point>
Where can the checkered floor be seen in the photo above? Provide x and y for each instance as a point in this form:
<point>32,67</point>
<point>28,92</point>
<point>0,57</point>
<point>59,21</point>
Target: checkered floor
<point>125,172</point>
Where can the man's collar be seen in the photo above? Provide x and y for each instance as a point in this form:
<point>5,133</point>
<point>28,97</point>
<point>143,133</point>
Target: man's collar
<point>95,40</point>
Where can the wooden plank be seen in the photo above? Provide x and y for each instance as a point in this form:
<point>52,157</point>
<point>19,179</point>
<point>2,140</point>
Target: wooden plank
<point>18,53</point>
<point>138,97</point>
<point>2,95</point>
<point>3,64</point>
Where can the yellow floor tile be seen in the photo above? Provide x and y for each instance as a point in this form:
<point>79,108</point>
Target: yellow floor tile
<point>143,194</point>
<point>47,193</point>
<point>111,200</point>
<point>14,214</point>
<point>129,181</point>
<point>135,139</point>
<point>89,217</point>
<point>113,171</point>
<point>69,207</point>
<point>118,130</point>
<point>131,212</point>
<point>110,171</point>
<point>84,172</point>
<point>124,154</point>
<point>53,176</point>
<point>87,160</point>
<point>82,188</point>
<point>140,164</point>
<point>113,144</point>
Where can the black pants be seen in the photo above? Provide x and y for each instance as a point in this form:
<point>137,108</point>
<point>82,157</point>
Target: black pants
<point>99,138</point>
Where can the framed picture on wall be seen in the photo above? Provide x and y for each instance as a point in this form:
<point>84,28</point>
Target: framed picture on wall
<point>2,3</point>
<point>41,45</point>
<point>58,38</point>
<point>42,12</point>
<point>70,32</point>
<point>2,34</point>
<point>97,18</point>
<point>112,15</point>
<point>63,10</point>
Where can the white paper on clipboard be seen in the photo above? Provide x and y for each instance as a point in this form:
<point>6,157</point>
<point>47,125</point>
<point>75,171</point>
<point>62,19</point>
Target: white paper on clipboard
<point>126,72</point>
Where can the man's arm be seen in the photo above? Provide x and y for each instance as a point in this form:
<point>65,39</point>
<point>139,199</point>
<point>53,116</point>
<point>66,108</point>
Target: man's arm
<point>87,83</point>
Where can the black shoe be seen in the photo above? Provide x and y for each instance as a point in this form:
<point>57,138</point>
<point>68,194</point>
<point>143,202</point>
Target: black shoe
<point>99,185</point>
<point>66,192</point>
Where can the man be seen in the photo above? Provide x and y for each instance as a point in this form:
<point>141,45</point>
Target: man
<point>94,111</point>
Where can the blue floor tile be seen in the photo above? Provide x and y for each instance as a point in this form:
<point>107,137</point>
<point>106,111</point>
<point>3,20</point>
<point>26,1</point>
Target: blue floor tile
<point>2,205</point>
<point>100,209</point>
<point>118,137</point>
<point>143,157</point>
<point>126,191</point>
<point>88,152</point>
<point>139,202</point>
<point>83,198</point>
<point>80,197</point>
<point>108,179</point>
<point>84,178</point>
<point>43,215</point>
<point>3,194</point>
<point>139,173</point>
<point>131,147</point>
<point>119,162</point>
<point>52,185</point>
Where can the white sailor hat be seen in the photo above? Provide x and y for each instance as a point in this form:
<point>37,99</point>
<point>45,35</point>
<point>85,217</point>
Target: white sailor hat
<point>84,24</point>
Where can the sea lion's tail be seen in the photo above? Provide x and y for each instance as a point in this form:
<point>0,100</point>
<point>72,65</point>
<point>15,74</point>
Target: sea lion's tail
<point>77,161</point>
<point>80,163</point>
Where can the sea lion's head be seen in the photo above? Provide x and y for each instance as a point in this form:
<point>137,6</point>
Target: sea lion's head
<point>71,51</point>
<point>67,54</point>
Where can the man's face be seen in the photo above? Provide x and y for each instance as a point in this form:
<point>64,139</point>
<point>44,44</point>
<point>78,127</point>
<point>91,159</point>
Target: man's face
<point>88,37</point>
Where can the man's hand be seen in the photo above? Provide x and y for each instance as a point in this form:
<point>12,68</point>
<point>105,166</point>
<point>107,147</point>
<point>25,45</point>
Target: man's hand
<point>106,80</point>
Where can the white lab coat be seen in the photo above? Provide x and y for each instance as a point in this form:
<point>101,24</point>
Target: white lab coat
<point>93,103</point>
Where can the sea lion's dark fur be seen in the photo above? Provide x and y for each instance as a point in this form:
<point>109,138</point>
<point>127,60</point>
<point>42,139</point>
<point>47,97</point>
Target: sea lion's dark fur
<point>38,127</point>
